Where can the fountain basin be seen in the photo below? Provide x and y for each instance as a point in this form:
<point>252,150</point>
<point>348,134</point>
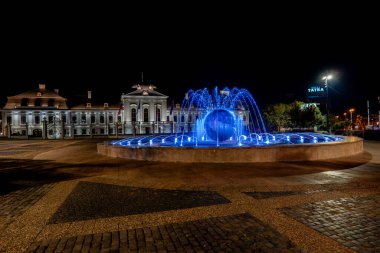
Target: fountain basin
<point>347,146</point>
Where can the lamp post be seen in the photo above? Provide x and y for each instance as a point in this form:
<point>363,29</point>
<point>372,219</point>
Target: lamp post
<point>326,78</point>
<point>351,111</point>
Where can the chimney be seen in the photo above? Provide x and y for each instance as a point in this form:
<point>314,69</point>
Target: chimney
<point>56,91</point>
<point>41,87</point>
<point>89,94</point>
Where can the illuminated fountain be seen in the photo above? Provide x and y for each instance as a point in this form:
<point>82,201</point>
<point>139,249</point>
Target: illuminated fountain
<point>226,118</point>
<point>228,127</point>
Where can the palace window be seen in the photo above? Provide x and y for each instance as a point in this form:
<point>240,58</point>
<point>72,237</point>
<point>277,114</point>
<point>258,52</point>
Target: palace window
<point>24,102</point>
<point>133,112</point>
<point>23,119</point>
<point>83,120</point>
<point>101,119</point>
<point>110,118</point>
<point>74,119</point>
<point>37,119</point>
<point>37,102</point>
<point>92,119</point>
<point>146,115</point>
<point>175,118</point>
<point>51,102</point>
<point>158,114</point>
<point>51,118</point>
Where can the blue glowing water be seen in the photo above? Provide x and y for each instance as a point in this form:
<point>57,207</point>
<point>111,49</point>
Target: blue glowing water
<point>222,118</point>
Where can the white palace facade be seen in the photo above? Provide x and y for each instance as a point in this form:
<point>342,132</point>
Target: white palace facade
<point>43,113</point>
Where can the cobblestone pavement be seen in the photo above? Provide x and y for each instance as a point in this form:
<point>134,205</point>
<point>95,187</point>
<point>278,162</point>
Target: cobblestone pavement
<point>265,195</point>
<point>15,203</point>
<point>235,233</point>
<point>354,222</point>
<point>99,203</point>
<point>92,201</point>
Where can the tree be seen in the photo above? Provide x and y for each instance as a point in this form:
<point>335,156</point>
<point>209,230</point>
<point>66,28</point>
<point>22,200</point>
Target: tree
<point>294,115</point>
<point>277,116</point>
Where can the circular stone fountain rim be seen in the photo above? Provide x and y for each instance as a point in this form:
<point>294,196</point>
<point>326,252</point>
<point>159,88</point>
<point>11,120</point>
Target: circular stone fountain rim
<point>273,153</point>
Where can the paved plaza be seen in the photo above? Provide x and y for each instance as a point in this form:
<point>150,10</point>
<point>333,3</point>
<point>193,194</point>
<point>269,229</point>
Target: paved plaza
<point>61,196</point>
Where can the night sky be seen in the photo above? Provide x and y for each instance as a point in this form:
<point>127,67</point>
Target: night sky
<point>276,60</point>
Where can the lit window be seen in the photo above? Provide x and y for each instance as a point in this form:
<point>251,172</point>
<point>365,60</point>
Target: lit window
<point>23,119</point>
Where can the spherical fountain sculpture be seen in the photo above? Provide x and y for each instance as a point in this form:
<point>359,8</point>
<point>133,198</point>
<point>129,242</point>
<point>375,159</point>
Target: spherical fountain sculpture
<point>228,127</point>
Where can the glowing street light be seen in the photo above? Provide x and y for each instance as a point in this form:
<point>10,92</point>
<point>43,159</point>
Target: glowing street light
<point>326,78</point>
<point>351,111</point>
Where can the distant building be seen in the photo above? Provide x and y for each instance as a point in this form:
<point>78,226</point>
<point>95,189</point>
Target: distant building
<point>25,114</point>
<point>44,113</point>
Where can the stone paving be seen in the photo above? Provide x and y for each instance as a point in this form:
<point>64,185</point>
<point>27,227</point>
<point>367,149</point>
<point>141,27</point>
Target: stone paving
<point>94,200</point>
<point>354,222</point>
<point>15,203</point>
<point>100,204</point>
<point>235,233</point>
<point>265,195</point>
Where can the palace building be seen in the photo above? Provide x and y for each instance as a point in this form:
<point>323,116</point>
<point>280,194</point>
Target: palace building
<point>44,113</point>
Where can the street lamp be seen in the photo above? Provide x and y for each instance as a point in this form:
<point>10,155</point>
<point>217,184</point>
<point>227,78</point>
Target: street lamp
<point>351,111</point>
<point>326,78</point>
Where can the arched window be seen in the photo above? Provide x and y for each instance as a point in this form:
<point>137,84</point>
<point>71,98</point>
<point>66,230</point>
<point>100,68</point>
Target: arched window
<point>37,102</point>
<point>24,102</point>
<point>101,119</point>
<point>158,114</point>
<point>83,118</point>
<point>133,113</point>
<point>182,118</point>
<point>146,115</point>
<point>51,102</point>
<point>37,119</point>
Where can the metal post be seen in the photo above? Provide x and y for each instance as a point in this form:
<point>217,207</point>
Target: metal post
<point>44,128</point>
<point>369,123</point>
<point>327,107</point>
<point>351,116</point>
<point>27,129</point>
<point>63,130</point>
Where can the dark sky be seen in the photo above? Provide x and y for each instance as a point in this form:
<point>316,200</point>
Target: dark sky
<point>276,57</point>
